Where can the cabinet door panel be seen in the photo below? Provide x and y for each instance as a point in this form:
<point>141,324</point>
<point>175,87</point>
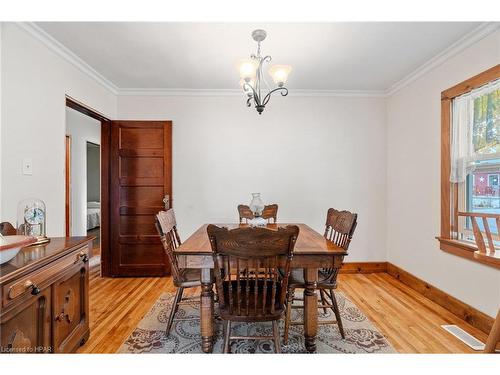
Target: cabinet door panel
<point>70,309</point>
<point>28,330</point>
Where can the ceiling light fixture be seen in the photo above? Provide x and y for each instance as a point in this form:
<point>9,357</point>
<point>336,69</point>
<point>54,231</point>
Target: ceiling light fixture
<point>252,78</point>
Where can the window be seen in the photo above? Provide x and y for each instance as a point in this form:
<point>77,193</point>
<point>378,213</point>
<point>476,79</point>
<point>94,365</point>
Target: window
<point>479,190</point>
<point>493,181</point>
<point>470,166</point>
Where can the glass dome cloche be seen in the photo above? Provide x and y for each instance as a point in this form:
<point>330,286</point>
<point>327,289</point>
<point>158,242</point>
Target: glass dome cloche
<point>31,219</point>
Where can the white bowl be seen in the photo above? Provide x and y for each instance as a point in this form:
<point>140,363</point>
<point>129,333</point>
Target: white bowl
<point>10,246</point>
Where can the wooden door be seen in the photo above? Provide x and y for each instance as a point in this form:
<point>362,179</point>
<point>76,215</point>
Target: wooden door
<point>141,176</point>
<point>71,308</point>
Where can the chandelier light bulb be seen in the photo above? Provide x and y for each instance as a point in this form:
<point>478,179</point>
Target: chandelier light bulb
<point>279,73</point>
<point>247,69</point>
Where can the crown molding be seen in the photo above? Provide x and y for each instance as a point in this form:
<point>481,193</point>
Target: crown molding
<point>239,93</point>
<point>67,55</point>
<point>73,59</point>
<point>466,41</point>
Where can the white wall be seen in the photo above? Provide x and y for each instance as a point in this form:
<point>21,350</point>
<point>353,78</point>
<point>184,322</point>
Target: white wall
<point>413,182</point>
<point>82,129</point>
<point>305,153</point>
<point>34,83</point>
<point>1,28</point>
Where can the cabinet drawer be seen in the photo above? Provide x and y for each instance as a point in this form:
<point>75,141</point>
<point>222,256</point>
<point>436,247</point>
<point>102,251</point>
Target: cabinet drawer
<point>23,287</point>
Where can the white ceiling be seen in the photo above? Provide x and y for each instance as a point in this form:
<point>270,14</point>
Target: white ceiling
<point>324,56</point>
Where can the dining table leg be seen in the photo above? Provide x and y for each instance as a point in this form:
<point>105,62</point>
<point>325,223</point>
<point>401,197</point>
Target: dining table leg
<point>207,311</point>
<point>310,308</point>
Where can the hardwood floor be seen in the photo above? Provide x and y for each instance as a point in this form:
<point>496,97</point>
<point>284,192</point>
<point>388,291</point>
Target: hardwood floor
<point>410,321</point>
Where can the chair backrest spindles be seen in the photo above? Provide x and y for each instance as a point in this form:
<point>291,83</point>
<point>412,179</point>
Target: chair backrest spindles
<point>269,213</point>
<point>245,213</point>
<point>340,226</point>
<point>479,235</point>
<point>246,268</point>
<point>339,229</point>
<point>166,225</point>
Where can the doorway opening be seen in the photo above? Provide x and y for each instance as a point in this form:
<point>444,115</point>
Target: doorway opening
<point>87,180</point>
<point>94,196</point>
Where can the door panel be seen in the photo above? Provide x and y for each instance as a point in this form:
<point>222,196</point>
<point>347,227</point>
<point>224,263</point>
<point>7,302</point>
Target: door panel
<point>139,255</point>
<point>141,196</point>
<point>141,167</point>
<point>141,153</point>
<point>137,138</point>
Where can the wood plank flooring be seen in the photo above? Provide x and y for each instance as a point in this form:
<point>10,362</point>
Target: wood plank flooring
<point>410,321</point>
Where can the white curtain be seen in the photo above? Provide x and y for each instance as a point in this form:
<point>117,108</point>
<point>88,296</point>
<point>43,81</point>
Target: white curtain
<point>463,156</point>
<point>462,150</point>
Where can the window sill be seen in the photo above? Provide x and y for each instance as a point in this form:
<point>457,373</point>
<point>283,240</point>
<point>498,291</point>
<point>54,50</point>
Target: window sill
<point>468,250</point>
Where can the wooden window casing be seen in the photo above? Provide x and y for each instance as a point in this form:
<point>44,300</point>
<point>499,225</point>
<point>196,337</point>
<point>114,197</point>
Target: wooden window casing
<point>449,190</point>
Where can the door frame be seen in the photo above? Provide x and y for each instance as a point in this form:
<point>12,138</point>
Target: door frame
<point>105,179</point>
<point>67,184</point>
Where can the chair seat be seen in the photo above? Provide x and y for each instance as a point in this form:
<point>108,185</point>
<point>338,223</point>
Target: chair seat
<point>255,312</point>
<point>189,277</point>
<point>297,280</point>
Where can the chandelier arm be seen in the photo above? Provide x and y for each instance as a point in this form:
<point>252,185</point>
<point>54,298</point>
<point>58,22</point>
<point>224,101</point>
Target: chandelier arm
<point>255,96</point>
<point>284,92</point>
<point>259,77</point>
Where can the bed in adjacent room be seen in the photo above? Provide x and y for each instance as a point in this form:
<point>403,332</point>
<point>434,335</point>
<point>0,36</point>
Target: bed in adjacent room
<point>93,215</point>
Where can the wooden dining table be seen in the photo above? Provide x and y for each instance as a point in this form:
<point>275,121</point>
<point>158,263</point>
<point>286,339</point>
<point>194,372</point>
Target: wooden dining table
<point>312,251</point>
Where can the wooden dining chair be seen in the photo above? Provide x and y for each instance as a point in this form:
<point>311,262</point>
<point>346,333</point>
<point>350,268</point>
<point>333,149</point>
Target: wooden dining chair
<point>7,229</point>
<point>249,285</point>
<point>494,336</point>
<point>270,212</point>
<point>245,213</point>
<point>183,277</point>
<point>339,229</point>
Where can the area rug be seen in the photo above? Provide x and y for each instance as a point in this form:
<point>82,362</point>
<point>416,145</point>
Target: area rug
<point>150,337</point>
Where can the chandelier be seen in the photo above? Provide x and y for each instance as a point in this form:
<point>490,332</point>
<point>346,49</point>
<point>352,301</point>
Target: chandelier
<point>252,80</point>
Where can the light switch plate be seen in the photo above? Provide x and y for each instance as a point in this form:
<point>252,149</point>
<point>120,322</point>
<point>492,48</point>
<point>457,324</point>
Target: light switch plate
<point>27,166</point>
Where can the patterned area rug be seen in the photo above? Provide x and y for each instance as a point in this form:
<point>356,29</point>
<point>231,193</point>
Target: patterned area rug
<point>150,337</point>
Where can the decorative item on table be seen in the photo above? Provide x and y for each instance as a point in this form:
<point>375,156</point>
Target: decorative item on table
<point>257,222</point>
<point>31,220</point>
<point>11,245</point>
<point>256,205</point>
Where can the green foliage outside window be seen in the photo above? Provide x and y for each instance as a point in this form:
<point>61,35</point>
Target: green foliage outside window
<point>486,127</point>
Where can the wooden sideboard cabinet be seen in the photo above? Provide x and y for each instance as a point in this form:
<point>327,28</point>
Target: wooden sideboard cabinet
<point>44,297</point>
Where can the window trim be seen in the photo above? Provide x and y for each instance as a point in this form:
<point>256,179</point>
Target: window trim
<point>449,191</point>
<point>493,174</point>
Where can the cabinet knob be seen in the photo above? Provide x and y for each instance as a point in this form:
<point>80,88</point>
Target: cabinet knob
<point>34,288</point>
<point>83,257</point>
